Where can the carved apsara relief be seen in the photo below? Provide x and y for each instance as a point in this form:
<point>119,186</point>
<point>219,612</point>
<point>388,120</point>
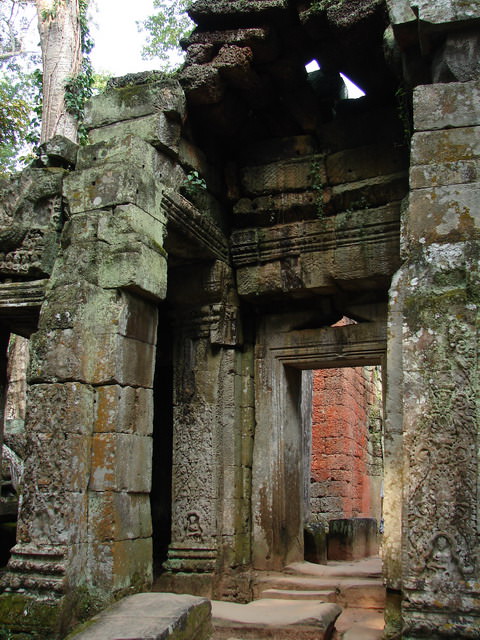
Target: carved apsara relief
<point>443,464</point>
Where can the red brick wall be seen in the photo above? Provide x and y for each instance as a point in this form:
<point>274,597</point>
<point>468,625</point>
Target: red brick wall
<point>341,467</point>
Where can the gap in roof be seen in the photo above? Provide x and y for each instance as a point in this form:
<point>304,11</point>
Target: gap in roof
<point>353,91</point>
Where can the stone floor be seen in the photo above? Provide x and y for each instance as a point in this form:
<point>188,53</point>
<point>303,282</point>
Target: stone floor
<point>337,601</point>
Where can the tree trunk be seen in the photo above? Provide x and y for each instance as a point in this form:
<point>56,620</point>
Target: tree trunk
<point>59,27</point>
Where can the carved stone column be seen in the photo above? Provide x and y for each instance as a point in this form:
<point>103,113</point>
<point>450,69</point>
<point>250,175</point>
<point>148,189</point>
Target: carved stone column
<point>440,284</point>
<point>84,529</point>
<point>207,462</point>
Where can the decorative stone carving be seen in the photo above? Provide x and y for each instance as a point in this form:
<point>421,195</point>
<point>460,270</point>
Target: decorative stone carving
<point>31,219</point>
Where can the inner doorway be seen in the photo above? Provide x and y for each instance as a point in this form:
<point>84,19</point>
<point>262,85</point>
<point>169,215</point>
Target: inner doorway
<point>283,375</point>
<point>344,465</point>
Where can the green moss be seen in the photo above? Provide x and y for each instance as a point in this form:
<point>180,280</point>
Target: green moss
<point>22,613</point>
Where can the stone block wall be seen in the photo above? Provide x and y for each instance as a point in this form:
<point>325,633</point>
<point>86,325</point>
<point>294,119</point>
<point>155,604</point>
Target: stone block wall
<point>345,472</point>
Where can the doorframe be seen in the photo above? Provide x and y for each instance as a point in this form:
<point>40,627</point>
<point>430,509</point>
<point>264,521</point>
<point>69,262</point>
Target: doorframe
<point>277,473</point>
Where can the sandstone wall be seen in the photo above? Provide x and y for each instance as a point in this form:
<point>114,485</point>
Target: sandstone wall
<point>346,468</point>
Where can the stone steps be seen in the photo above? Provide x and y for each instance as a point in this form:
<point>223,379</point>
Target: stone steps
<point>367,593</point>
<point>355,584</point>
<point>336,601</point>
<point>324,595</point>
<point>274,619</point>
<point>359,624</point>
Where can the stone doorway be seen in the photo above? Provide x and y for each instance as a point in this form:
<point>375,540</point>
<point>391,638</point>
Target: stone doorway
<point>161,491</point>
<point>283,388</point>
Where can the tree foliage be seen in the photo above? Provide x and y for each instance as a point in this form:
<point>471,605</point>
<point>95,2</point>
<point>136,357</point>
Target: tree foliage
<point>165,29</point>
<point>19,72</point>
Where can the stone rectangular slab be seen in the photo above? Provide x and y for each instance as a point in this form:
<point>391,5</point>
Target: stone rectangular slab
<point>275,619</point>
<point>441,106</point>
<point>150,616</point>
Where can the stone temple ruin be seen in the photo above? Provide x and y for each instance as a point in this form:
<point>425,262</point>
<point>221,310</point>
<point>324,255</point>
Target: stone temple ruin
<point>179,279</point>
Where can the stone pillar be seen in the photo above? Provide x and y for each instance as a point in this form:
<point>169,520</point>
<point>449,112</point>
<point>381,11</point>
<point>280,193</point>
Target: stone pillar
<point>393,444</point>
<point>84,529</point>
<point>4,338</point>
<point>207,443</point>
<point>440,285</point>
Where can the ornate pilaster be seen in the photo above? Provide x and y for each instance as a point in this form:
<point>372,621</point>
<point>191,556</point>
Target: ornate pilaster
<point>440,284</point>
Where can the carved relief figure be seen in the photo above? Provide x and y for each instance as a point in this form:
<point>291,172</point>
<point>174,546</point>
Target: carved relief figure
<point>193,528</point>
<point>443,567</point>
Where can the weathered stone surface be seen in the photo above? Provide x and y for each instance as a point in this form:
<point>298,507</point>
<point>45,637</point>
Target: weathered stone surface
<point>314,253</point>
<point>135,101</point>
<point>51,515</point>
<point>121,462</point>
<point>292,175</point>
<point>116,151</point>
<point>447,157</point>
<point>31,217</point>
<point>352,539</point>
<point>262,41</point>
<point>152,615</point>
<point>440,106</point>
<point>115,185</point>
<point>458,59</point>
<point>364,162</point>
<point>113,358</point>
<point>157,129</point>
<point>234,64</point>
<point>443,214</point>
<point>137,268</point>
<point>59,150</point>
<point>311,620</point>
<point>445,146</point>
<point>202,84</point>
<point>128,254</point>
<point>61,459</point>
<point>123,410</point>
<point>204,12</point>
<point>61,408</point>
<point>442,11</point>
<point>118,516</point>
<point>114,565</point>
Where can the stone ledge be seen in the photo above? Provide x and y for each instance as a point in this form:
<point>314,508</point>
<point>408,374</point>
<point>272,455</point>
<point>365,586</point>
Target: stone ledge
<point>151,616</point>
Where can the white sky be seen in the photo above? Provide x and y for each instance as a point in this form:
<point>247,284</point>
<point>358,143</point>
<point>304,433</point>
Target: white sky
<point>118,43</point>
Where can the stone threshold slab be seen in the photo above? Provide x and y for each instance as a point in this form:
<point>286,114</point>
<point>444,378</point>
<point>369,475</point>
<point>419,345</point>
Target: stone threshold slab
<point>150,616</point>
<point>275,619</point>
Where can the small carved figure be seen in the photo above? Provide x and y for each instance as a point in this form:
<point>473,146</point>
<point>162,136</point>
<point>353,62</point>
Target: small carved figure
<point>193,528</point>
<point>442,564</point>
